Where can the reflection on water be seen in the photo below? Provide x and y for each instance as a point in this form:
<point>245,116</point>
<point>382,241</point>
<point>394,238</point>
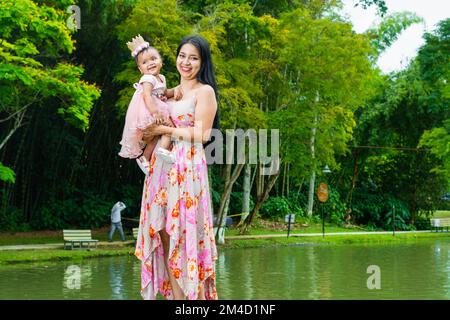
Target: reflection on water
<point>413,271</point>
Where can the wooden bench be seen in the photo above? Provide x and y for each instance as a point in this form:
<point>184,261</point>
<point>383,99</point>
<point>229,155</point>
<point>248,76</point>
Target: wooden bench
<point>74,237</point>
<point>439,224</point>
<point>135,233</point>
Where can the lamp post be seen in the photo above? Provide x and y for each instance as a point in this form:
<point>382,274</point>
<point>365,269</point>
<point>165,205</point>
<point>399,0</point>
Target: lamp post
<point>322,195</point>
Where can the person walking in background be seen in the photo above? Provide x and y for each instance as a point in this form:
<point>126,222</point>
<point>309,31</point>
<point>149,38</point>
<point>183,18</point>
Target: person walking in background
<point>116,220</point>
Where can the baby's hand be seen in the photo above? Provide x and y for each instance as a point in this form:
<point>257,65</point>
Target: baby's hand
<point>177,93</point>
<point>163,98</point>
<point>159,117</point>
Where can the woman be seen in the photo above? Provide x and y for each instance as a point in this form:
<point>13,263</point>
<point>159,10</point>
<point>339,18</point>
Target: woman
<point>176,241</point>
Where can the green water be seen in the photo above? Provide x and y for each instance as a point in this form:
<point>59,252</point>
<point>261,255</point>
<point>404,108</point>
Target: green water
<point>413,271</point>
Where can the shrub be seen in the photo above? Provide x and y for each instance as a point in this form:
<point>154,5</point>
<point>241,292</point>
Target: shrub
<point>12,219</point>
<point>377,210</point>
<point>335,209</point>
<point>236,203</point>
<point>276,208</point>
<point>85,210</point>
<point>422,223</point>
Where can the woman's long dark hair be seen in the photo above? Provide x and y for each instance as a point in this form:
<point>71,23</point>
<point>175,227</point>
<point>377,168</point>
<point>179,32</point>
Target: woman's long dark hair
<point>206,73</point>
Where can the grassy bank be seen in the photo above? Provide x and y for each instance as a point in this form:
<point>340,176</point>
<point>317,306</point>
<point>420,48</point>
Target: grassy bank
<point>366,239</point>
<point>43,255</point>
<point>261,227</point>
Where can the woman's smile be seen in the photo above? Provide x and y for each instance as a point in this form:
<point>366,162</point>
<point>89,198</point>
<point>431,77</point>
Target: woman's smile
<point>185,69</point>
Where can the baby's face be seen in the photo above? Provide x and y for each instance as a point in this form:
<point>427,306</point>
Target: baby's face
<point>150,62</point>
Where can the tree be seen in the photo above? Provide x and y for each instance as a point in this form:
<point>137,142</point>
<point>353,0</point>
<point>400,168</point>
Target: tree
<point>35,75</point>
<point>389,29</point>
<point>435,70</point>
<point>391,121</point>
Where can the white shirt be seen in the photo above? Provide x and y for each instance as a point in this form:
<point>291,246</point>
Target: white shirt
<point>115,211</point>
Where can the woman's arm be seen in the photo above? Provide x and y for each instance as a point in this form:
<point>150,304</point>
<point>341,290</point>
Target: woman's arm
<point>205,110</point>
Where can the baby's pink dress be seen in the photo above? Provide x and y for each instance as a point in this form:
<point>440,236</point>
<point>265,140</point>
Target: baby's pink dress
<point>139,117</point>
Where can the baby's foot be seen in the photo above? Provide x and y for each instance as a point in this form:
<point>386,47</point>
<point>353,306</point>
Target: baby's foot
<point>143,164</point>
<point>166,155</point>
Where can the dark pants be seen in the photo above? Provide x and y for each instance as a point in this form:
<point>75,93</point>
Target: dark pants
<point>114,226</point>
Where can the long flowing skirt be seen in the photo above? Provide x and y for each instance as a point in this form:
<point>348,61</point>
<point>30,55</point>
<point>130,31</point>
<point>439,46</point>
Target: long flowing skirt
<point>177,197</point>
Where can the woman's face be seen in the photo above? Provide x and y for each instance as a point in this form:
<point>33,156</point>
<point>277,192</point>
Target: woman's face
<point>188,61</point>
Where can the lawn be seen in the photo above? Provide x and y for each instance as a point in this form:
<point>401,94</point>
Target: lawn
<point>271,227</point>
<point>41,255</point>
<point>442,214</point>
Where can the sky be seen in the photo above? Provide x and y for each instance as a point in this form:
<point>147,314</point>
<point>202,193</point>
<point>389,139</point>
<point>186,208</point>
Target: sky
<point>405,48</point>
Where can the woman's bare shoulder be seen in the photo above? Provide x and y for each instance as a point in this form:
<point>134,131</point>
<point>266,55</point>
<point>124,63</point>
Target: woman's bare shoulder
<point>205,90</point>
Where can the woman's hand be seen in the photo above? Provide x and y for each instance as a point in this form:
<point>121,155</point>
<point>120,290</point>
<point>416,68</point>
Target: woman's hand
<point>169,122</point>
<point>150,132</point>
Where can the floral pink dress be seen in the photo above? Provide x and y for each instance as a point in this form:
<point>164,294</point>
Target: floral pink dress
<point>139,117</point>
<point>176,197</point>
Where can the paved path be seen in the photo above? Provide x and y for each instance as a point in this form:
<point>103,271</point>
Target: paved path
<point>260,236</point>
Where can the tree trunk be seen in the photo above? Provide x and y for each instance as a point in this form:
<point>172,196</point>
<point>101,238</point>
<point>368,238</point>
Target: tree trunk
<point>313,175</point>
<point>261,199</point>
<point>287,181</point>
<point>246,194</point>
<point>350,195</point>
<point>221,227</point>
<point>221,216</point>
<point>312,180</point>
<point>283,183</point>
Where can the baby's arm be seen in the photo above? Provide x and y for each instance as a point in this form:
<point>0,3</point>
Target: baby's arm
<point>154,111</point>
<point>148,87</point>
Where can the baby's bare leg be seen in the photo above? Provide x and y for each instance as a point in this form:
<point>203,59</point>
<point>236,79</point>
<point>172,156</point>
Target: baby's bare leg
<point>149,148</point>
<point>165,142</point>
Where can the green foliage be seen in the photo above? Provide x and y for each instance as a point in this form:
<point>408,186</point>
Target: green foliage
<point>235,206</point>
<point>435,71</point>
<point>13,220</point>
<point>34,38</point>
<point>381,5</point>
<point>160,23</point>
<point>438,139</point>
<point>327,76</point>
<point>277,208</point>
<point>82,210</point>
<point>272,60</point>
<point>422,223</point>
<point>417,177</point>
<point>378,211</point>
<point>335,208</point>
<point>385,34</point>
<point>6,174</point>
